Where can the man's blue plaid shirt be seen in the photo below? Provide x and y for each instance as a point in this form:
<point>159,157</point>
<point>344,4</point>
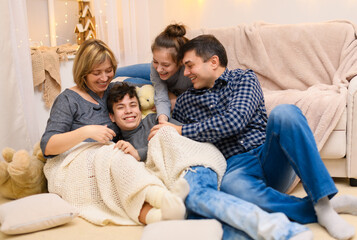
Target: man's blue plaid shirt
<point>231,114</point>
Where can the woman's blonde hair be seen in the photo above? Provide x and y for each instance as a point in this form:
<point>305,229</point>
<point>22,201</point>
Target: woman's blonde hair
<point>172,37</point>
<point>90,54</point>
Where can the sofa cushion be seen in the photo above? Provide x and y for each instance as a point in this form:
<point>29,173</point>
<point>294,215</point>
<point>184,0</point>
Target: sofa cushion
<point>335,146</point>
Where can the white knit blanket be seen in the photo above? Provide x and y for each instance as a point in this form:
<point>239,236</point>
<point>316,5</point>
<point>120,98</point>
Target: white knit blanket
<point>108,186</point>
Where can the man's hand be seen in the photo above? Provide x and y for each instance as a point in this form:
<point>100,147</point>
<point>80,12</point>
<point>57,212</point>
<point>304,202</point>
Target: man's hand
<point>157,127</point>
<point>127,148</point>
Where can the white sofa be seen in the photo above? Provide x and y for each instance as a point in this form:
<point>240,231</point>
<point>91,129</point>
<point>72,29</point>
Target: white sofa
<point>301,57</point>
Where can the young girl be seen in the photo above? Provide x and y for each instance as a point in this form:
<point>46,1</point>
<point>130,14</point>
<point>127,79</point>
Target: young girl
<point>166,73</point>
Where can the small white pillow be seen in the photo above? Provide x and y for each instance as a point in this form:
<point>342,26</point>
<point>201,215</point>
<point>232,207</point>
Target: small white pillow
<point>208,229</point>
<point>34,213</point>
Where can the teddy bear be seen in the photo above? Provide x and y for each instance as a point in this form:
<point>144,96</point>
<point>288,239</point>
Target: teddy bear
<point>146,99</point>
<point>21,174</point>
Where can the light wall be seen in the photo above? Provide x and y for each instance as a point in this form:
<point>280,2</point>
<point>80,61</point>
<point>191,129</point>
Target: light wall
<point>226,13</point>
<point>198,14</point>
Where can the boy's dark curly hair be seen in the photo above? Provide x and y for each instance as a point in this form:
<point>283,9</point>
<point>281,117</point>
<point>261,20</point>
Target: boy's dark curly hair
<point>118,92</point>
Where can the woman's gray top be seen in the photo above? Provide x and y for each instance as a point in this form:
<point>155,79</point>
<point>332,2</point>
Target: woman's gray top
<point>70,111</point>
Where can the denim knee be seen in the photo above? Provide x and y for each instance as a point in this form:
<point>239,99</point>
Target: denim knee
<point>285,114</point>
<point>199,179</point>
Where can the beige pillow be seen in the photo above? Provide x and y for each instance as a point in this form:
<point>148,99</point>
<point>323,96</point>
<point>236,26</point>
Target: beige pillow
<point>34,213</point>
<point>208,229</point>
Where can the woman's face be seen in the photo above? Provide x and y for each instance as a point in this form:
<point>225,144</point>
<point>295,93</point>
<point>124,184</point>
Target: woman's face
<point>99,78</point>
<point>163,63</point>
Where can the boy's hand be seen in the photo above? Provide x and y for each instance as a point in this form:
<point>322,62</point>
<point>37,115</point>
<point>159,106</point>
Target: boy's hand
<point>127,148</point>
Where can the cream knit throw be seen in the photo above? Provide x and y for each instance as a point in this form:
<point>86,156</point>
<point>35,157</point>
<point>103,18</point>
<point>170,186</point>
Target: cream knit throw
<point>109,186</point>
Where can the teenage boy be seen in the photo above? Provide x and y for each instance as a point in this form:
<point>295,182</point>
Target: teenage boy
<point>205,200</point>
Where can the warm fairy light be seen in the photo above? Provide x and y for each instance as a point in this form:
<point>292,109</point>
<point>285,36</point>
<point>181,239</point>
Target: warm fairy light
<point>62,23</point>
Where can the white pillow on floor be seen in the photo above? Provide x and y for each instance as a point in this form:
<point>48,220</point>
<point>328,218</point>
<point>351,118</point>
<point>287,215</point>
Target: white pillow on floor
<point>34,213</point>
<point>207,229</point>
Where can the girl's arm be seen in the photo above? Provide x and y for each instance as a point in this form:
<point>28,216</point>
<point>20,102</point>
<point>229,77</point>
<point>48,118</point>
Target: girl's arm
<point>161,98</point>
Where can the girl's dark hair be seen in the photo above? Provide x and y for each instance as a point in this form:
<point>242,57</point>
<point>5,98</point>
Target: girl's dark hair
<point>172,37</point>
<point>118,92</point>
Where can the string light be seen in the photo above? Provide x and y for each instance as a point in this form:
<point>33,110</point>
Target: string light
<point>68,17</point>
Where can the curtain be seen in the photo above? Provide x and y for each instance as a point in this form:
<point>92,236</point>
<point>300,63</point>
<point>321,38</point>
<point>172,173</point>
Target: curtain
<point>18,123</point>
<point>124,26</point>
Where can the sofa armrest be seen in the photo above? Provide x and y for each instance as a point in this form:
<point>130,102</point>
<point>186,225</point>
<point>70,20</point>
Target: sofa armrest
<point>352,129</point>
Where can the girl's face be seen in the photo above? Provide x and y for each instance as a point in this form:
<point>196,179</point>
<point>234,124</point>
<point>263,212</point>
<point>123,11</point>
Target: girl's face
<point>163,63</point>
<point>99,78</point>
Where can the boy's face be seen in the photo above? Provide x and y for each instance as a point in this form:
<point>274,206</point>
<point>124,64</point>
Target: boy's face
<point>127,114</point>
<point>201,73</point>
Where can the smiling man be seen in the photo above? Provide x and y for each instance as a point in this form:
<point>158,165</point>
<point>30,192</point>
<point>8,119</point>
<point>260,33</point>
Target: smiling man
<point>226,107</point>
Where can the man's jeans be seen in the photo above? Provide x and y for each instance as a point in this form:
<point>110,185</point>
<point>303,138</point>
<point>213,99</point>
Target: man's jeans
<point>262,175</point>
<point>205,200</point>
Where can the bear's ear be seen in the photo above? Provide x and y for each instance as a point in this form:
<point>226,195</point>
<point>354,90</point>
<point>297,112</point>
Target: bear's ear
<point>37,152</point>
<point>40,156</point>
<point>138,90</point>
<point>8,153</point>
